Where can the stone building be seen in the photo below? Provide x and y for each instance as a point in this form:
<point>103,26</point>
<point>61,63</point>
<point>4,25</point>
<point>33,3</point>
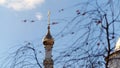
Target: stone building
<point>114,58</point>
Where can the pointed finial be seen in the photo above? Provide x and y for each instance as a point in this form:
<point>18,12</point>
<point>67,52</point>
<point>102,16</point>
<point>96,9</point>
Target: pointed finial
<point>48,19</point>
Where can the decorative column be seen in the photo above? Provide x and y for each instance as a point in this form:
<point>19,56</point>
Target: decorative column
<point>48,42</point>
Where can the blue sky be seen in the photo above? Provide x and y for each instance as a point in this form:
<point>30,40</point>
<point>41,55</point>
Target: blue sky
<point>13,31</point>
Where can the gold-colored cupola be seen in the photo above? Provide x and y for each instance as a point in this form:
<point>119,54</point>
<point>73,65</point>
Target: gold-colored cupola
<point>48,40</point>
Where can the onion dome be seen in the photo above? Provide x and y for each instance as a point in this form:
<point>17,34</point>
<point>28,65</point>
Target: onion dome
<point>48,40</point>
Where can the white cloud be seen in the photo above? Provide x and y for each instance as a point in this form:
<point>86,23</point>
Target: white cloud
<point>38,16</point>
<point>2,1</point>
<point>21,4</point>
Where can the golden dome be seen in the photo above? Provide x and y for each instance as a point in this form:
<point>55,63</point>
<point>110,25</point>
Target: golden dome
<point>48,40</point>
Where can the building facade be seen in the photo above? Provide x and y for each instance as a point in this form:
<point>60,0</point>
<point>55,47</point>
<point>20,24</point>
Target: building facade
<point>114,58</point>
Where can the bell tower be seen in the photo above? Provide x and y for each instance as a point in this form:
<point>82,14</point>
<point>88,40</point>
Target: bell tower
<point>48,42</point>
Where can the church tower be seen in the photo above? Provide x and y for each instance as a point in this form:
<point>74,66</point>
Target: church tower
<point>48,42</point>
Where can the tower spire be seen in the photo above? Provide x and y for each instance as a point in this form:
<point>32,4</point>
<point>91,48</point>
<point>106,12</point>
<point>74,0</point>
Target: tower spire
<point>48,42</point>
<point>49,22</point>
<point>49,18</point>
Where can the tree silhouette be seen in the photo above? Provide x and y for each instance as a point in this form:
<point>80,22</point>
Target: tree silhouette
<point>96,26</point>
<point>92,35</point>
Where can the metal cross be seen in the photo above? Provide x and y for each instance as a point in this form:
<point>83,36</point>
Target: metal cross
<point>48,17</point>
